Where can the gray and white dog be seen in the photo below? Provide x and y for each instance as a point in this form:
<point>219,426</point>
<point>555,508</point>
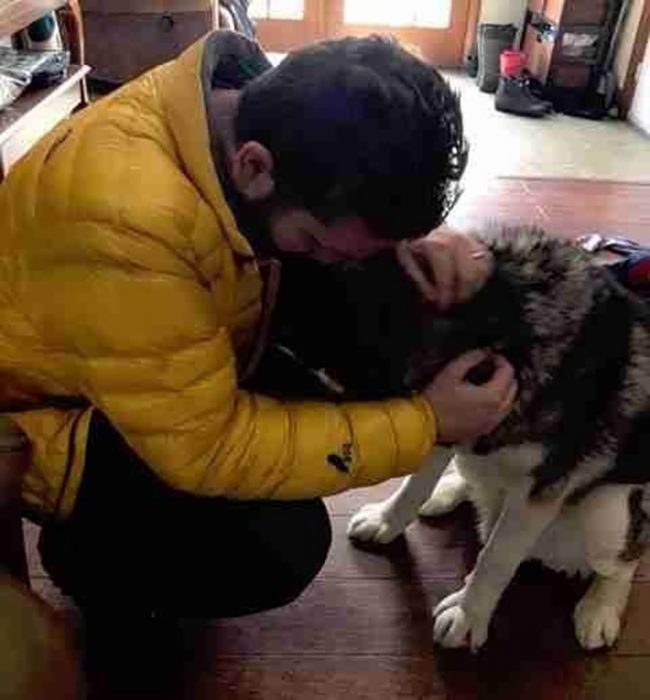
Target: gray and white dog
<point>565,479</point>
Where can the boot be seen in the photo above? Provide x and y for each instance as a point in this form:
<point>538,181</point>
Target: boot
<point>512,96</point>
<point>535,89</point>
<point>492,40</point>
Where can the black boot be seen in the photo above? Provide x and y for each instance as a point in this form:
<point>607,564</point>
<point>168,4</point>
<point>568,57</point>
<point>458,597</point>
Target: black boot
<point>514,97</point>
<point>536,89</point>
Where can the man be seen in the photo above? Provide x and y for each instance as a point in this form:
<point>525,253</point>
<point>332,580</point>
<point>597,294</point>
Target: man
<point>130,300</point>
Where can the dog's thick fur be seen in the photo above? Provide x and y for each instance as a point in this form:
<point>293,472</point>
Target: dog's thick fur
<point>564,479</point>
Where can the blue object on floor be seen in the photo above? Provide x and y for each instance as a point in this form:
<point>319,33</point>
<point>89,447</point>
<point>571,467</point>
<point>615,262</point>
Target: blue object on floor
<point>633,270</point>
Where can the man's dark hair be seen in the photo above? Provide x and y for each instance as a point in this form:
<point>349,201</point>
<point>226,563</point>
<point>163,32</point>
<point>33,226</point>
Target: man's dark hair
<point>359,127</point>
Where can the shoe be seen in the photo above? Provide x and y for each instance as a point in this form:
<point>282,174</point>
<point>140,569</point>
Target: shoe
<point>514,97</point>
<point>536,89</point>
<point>535,94</point>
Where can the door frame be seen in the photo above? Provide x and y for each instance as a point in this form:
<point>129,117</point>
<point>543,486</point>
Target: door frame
<point>282,35</point>
<point>473,18</point>
<point>445,47</point>
<point>638,52</point>
<point>323,18</point>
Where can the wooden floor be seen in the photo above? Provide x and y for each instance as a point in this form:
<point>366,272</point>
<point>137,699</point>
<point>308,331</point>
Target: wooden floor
<point>568,207</point>
<point>363,629</point>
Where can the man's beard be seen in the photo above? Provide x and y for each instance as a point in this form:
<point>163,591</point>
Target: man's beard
<point>253,218</point>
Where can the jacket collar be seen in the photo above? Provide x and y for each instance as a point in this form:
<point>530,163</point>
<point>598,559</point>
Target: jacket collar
<point>220,59</point>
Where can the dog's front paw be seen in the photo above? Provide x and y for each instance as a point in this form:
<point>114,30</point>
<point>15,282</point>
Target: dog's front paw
<point>372,523</point>
<point>455,627</point>
<point>596,624</point>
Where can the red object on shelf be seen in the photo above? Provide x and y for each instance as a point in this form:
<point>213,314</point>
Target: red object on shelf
<point>512,62</point>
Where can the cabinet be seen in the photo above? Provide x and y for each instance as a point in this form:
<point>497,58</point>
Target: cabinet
<point>566,40</point>
<point>127,37</point>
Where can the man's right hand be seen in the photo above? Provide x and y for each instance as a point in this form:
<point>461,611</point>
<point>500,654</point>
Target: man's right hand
<point>465,411</point>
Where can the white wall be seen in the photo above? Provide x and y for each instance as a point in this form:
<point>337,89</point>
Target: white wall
<point>503,11</point>
<point>640,110</point>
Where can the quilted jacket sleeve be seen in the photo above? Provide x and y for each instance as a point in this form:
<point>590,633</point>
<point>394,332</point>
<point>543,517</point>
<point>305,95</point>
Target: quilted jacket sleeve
<point>145,344</point>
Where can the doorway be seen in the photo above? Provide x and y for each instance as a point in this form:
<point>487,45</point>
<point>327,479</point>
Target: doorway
<point>436,27</point>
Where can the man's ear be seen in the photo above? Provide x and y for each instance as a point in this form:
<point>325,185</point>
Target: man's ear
<point>252,171</point>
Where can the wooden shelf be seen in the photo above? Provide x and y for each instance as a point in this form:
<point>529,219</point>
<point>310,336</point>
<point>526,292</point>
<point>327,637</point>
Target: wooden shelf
<point>35,113</point>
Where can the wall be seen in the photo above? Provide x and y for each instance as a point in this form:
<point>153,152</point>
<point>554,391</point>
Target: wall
<point>640,110</point>
<point>503,11</point>
<point>626,44</point>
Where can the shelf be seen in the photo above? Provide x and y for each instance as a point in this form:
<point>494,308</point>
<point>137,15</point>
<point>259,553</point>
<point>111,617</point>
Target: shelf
<point>35,113</point>
<point>575,60</point>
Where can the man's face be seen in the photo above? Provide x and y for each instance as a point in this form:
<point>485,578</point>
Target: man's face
<point>297,231</point>
<point>291,229</point>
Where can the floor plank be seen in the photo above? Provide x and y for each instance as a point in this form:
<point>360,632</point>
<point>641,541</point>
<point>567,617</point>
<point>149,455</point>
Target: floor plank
<point>442,549</point>
<point>378,616</point>
<point>353,677</point>
<point>393,617</point>
<point>608,677</point>
<point>565,207</point>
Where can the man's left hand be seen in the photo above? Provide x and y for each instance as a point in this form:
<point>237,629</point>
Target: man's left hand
<point>448,266</point>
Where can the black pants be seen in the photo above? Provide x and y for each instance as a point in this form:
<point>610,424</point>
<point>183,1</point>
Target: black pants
<point>134,544</point>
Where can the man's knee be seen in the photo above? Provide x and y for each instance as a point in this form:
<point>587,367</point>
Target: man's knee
<point>299,543</point>
<point>318,542</point>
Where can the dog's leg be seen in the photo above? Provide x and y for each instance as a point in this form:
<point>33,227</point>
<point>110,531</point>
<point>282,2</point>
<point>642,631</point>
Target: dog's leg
<point>613,547</point>
<point>450,492</point>
<point>464,616</point>
<point>383,522</point>
<point>597,617</point>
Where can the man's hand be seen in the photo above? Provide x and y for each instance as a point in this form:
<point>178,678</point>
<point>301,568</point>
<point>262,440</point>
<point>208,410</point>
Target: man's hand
<point>465,411</point>
<point>448,266</point>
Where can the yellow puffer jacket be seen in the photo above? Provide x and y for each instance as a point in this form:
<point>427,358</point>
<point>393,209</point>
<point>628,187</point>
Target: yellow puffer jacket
<point>124,282</point>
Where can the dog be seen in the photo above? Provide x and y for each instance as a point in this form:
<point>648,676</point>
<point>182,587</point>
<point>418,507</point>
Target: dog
<point>564,479</point>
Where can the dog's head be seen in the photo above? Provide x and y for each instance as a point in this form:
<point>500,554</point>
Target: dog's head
<point>367,325</point>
